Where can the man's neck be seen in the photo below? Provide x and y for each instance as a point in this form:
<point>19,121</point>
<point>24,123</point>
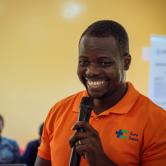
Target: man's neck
<point>100,105</point>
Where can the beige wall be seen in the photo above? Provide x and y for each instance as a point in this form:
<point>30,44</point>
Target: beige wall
<point>38,53</point>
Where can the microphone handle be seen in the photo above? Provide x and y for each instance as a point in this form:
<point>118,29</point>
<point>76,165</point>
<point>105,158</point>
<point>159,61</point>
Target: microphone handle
<point>84,115</point>
<point>75,159</point>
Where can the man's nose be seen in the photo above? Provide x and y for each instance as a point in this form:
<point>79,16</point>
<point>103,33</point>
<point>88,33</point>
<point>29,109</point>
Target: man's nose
<point>93,70</point>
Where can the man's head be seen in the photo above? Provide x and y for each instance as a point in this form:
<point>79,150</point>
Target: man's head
<point>41,129</point>
<point>1,123</point>
<point>107,28</point>
<point>103,58</point>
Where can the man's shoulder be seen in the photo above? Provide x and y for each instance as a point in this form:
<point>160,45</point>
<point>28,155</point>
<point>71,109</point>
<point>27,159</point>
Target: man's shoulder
<point>145,104</point>
<point>8,140</point>
<point>73,97</point>
<point>151,105</point>
<point>69,100</point>
<point>150,110</point>
<point>8,143</point>
<point>66,105</point>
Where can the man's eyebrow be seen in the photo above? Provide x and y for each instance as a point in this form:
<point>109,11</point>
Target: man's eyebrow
<point>83,56</point>
<point>105,58</point>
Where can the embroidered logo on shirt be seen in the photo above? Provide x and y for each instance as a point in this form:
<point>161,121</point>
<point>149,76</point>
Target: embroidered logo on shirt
<point>125,134</point>
<point>133,136</point>
<point>120,133</point>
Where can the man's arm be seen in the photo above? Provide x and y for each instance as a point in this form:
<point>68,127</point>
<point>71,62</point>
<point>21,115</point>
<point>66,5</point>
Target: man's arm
<point>42,162</point>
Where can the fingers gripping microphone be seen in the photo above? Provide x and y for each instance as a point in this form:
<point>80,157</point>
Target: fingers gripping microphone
<point>84,115</point>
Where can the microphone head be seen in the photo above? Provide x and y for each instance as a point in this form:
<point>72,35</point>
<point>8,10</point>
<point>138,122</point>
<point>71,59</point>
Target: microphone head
<point>86,106</point>
<point>87,103</point>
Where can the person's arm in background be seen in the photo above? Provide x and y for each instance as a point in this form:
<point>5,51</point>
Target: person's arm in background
<point>42,162</point>
<point>30,153</point>
<point>16,152</point>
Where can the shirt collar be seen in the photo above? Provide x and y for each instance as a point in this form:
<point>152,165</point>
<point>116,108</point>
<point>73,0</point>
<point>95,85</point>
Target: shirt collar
<point>126,103</point>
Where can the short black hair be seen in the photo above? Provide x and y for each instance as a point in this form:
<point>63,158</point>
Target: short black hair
<point>1,118</point>
<point>106,28</point>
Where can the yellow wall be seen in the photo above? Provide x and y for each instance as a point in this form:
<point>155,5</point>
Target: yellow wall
<point>38,53</point>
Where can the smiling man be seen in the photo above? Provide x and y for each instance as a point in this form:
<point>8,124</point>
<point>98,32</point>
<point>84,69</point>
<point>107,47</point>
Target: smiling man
<point>125,127</point>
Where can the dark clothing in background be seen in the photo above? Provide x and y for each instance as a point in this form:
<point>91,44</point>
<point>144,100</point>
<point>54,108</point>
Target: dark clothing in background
<point>30,153</point>
<point>9,151</point>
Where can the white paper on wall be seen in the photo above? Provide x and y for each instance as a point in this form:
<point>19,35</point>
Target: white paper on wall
<point>157,87</point>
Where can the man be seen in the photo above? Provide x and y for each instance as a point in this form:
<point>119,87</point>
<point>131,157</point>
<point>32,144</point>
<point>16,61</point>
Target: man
<point>125,128</point>
<point>30,153</point>
<point>9,150</point>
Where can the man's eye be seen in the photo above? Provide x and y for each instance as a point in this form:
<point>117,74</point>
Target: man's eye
<point>105,64</point>
<point>83,63</point>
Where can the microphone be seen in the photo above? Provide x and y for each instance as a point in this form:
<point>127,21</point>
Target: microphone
<point>84,115</point>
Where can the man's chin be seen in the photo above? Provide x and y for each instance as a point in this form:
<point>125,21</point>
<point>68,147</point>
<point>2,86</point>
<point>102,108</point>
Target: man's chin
<point>96,95</point>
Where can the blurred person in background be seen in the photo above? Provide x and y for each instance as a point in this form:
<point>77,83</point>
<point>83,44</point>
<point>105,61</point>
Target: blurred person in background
<point>9,149</point>
<point>29,156</point>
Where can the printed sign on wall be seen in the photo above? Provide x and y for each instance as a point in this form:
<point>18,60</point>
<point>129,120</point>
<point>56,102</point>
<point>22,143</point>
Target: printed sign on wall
<point>157,87</point>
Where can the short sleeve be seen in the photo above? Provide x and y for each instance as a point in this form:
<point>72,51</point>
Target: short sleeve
<point>44,148</point>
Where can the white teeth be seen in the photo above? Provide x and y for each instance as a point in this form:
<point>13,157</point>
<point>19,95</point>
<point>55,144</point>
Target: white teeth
<point>95,83</point>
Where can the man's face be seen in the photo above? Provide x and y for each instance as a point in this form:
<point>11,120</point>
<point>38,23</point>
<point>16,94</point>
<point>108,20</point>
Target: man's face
<point>100,67</point>
<point>1,126</point>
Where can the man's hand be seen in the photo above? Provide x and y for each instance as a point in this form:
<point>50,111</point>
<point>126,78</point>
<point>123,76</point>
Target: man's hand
<point>89,145</point>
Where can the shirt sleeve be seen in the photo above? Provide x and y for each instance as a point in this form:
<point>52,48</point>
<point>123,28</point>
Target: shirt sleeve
<point>44,148</point>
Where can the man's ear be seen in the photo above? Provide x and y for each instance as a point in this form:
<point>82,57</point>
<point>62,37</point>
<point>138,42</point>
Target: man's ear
<point>127,61</point>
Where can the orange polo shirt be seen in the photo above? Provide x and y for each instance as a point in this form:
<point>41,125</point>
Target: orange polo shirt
<point>132,132</point>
